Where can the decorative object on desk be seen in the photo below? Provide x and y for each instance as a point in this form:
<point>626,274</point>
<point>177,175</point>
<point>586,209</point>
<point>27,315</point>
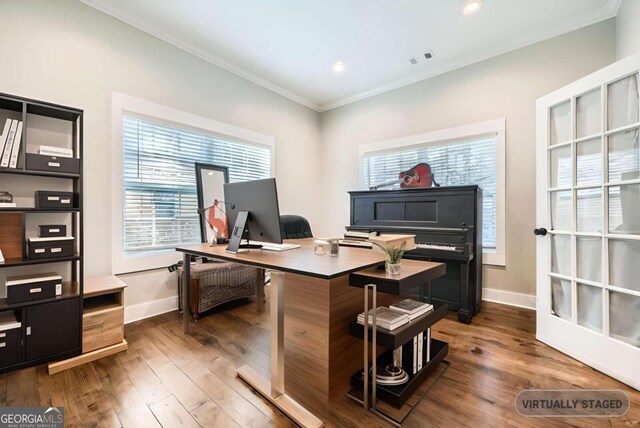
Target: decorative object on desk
<point>411,307</point>
<point>319,247</point>
<point>210,180</point>
<point>334,247</point>
<point>418,176</point>
<point>393,256</point>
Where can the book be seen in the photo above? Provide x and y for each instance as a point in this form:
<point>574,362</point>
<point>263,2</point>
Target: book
<point>7,204</point>
<point>55,151</point>
<point>15,151</point>
<point>3,137</point>
<point>419,314</point>
<point>415,354</point>
<point>354,234</point>
<point>411,307</point>
<point>6,155</point>
<point>392,241</point>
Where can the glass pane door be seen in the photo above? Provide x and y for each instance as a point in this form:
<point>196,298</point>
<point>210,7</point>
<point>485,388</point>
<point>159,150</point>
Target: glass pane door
<point>588,220</point>
<point>594,210</point>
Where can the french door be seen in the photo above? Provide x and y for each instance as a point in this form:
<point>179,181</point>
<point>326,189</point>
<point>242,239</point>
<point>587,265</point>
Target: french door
<point>588,220</point>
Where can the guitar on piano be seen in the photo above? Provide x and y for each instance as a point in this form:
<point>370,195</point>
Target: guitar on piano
<point>416,177</point>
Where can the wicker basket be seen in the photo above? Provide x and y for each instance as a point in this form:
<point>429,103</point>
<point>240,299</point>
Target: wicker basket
<point>218,282</point>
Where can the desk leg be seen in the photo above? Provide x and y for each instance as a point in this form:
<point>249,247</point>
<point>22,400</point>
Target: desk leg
<point>274,390</point>
<point>186,285</point>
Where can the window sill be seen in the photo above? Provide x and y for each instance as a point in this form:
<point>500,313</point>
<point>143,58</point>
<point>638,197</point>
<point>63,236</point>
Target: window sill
<point>494,259</point>
<point>142,262</point>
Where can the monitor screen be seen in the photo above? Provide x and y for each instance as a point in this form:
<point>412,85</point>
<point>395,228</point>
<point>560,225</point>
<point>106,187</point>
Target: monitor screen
<point>260,199</point>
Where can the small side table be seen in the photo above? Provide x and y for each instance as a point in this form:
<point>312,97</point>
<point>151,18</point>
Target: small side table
<point>413,274</point>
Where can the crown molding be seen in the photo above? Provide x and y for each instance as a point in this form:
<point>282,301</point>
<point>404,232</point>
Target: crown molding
<point>206,56</point>
<point>610,10</point>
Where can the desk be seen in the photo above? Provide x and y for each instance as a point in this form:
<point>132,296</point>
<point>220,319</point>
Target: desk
<point>312,294</point>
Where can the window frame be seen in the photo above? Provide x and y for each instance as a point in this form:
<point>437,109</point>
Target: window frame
<point>121,105</point>
<point>492,128</point>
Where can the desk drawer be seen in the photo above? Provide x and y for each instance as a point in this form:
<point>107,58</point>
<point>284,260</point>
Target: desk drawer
<point>103,328</point>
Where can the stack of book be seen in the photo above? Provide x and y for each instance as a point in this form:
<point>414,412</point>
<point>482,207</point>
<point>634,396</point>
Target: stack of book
<point>360,239</point>
<point>10,143</point>
<point>385,318</point>
<point>412,308</point>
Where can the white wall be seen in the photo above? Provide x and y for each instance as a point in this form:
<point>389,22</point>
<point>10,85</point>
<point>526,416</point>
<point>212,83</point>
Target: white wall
<point>505,86</point>
<point>68,53</point>
<point>628,28</point>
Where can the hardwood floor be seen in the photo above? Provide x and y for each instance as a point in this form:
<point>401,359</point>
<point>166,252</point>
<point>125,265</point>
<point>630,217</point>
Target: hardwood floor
<point>168,379</point>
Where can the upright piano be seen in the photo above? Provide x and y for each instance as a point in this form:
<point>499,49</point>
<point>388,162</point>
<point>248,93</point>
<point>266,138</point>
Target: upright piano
<point>447,222</point>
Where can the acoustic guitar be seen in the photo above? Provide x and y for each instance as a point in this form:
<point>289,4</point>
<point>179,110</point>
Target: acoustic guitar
<point>417,177</point>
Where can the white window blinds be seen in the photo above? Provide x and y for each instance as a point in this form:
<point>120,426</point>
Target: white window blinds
<point>160,199</point>
<point>460,163</point>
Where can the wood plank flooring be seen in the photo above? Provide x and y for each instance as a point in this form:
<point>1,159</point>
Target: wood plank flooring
<point>168,379</point>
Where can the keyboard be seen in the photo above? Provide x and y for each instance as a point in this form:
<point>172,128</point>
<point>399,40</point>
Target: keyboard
<point>437,247</point>
<point>276,247</point>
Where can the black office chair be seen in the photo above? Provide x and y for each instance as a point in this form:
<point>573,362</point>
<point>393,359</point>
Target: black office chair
<point>294,227</point>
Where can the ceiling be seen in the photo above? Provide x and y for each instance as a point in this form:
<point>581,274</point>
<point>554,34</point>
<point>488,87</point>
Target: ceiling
<point>290,46</point>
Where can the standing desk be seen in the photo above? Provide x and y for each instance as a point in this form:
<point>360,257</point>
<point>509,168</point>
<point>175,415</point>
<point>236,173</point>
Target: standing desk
<point>313,294</point>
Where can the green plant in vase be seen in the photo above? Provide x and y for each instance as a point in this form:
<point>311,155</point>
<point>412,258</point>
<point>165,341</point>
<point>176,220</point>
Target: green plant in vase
<point>393,257</point>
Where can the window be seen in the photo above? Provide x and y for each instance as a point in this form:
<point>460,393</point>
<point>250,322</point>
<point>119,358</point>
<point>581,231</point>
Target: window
<point>154,203</point>
<point>457,157</point>
<point>160,200</point>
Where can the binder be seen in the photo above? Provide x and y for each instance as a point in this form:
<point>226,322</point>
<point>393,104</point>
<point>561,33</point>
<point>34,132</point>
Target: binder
<point>3,138</point>
<point>6,155</point>
<point>15,151</point>
<point>427,346</point>
<point>420,353</point>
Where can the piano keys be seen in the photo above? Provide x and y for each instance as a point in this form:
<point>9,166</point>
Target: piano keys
<point>447,222</point>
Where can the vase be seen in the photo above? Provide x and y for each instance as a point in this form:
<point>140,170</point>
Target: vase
<point>392,268</point>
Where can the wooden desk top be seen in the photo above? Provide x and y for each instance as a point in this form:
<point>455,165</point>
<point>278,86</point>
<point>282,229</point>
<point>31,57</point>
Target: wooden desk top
<point>300,260</point>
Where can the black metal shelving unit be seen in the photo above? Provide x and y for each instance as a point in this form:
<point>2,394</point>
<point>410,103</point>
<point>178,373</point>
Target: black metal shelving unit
<point>375,280</point>
<point>58,334</point>
<point>397,395</point>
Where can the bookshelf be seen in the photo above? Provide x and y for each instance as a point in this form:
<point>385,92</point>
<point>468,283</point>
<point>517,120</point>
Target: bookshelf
<point>50,328</point>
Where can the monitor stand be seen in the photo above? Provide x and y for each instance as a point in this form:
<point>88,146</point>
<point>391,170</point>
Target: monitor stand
<point>235,240</point>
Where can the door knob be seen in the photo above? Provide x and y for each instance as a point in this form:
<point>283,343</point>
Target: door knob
<point>540,232</point>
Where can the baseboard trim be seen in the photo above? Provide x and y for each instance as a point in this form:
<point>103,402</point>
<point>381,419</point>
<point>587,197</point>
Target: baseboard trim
<point>527,301</point>
<point>150,309</point>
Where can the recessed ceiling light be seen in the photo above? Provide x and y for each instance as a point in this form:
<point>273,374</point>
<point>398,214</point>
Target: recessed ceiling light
<point>339,67</point>
<point>471,6</point>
